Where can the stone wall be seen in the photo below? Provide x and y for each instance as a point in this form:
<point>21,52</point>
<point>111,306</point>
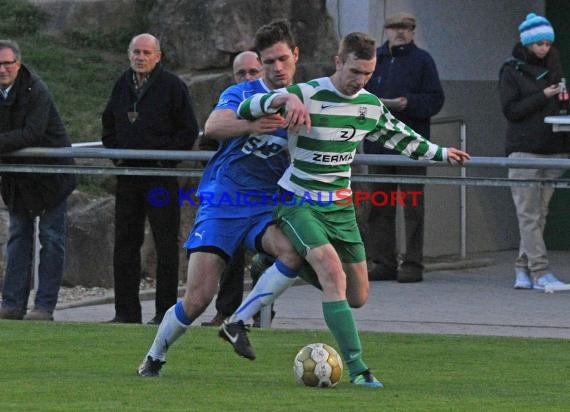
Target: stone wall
<point>93,16</point>
<point>199,38</point>
<point>204,35</point>
<point>89,247</point>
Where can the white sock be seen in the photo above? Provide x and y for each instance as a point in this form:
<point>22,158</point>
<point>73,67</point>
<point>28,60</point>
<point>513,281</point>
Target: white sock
<point>170,329</point>
<point>272,283</point>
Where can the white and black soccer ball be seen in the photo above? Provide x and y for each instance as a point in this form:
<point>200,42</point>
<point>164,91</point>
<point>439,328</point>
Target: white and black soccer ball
<point>318,365</point>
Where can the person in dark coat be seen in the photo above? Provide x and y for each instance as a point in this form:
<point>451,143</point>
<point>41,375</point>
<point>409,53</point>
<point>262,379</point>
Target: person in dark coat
<point>149,108</point>
<point>407,82</point>
<point>529,87</point>
<point>30,118</point>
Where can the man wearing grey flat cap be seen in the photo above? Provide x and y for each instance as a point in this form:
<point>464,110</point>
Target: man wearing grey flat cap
<point>407,82</point>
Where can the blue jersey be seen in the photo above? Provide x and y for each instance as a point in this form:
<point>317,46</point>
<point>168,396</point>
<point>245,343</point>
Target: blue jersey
<point>242,176</point>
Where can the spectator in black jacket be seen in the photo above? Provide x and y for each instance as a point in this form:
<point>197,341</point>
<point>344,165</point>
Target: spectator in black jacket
<point>407,82</point>
<point>149,108</point>
<point>529,88</point>
<point>29,118</point>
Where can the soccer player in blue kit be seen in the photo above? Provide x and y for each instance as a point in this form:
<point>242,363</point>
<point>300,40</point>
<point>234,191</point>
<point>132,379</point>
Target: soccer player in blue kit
<point>234,190</point>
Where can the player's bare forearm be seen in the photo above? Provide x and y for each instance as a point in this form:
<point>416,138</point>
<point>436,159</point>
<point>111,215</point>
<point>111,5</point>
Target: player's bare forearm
<point>223,124</point>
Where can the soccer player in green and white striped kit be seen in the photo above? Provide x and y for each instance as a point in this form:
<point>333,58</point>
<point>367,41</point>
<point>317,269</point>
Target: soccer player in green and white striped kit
<point>327,119</point>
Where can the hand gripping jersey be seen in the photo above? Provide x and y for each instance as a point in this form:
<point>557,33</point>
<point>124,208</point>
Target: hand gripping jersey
<point>241,178</point>
<point>320,160</point>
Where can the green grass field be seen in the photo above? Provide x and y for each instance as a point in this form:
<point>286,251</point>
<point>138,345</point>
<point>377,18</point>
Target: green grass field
<point>91,367</point>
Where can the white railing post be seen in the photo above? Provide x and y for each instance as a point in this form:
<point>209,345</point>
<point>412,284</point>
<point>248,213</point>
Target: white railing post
<point>265,317</point>
<point>463,194</point>
<point>462,188</point>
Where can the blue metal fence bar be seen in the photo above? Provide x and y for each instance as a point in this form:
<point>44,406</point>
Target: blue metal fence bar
<point>480,162</point>
<point>466,181</point>
<point>184,172</point>
<point>197,155</point>
<point>100,170</point>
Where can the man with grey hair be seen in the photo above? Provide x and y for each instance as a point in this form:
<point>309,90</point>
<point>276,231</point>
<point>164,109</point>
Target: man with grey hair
<point>29,118</point>
<point>149,108</point>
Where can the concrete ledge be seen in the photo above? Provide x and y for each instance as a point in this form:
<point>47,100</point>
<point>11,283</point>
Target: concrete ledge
<point>149,294</point>
<point>458,264</point>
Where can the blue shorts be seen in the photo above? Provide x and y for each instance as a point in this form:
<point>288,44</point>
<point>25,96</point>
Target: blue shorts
<point>228,234</point>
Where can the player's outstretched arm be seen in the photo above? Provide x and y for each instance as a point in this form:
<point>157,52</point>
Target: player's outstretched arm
<point>223,124</point>
<point>456,156</point>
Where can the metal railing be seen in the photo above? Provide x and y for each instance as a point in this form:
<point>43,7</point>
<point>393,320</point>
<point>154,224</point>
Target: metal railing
<point>90,151</point>
<point>87,151</point>
<point>200,156</point>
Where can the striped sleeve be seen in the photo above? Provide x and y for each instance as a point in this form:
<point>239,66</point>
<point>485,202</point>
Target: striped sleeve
<point>257,106</point>
<point>396,135</point>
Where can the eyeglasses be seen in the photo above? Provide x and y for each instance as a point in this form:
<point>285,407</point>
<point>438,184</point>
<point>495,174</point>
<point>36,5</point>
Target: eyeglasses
<point>8,65</point>
<point>251,72</point>
<point>401,26</point>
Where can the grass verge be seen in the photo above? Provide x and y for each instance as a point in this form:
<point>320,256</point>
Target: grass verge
<point>80,79</point>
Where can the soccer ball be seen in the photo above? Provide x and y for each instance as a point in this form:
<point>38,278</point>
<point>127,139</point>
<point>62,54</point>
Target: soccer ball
<point>318,364</point>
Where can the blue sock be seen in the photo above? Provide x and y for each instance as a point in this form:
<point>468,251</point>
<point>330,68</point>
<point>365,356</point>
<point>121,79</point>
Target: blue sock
<point>181,315</point>
<point>272,283</point>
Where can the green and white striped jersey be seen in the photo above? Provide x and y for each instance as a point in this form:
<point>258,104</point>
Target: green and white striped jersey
<point>320,160</point>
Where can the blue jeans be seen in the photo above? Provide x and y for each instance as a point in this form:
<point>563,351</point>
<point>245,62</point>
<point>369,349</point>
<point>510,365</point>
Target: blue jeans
<point>20,249</point>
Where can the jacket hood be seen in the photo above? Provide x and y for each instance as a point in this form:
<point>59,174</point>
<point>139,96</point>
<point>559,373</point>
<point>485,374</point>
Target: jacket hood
<point>526,62</point>
<point>521,52</point>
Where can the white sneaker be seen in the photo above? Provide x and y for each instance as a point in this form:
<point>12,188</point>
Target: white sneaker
<point>546,280</point>
<point>522,279</point>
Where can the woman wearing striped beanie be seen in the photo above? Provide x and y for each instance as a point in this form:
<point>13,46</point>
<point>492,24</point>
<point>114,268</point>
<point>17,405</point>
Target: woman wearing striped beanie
<point>529,87</point>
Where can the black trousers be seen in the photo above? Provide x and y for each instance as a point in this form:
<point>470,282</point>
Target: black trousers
<point>381,221</point>
<point>138,198</point>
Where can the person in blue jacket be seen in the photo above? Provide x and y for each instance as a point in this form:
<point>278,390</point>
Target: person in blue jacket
<point>407,82</point>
